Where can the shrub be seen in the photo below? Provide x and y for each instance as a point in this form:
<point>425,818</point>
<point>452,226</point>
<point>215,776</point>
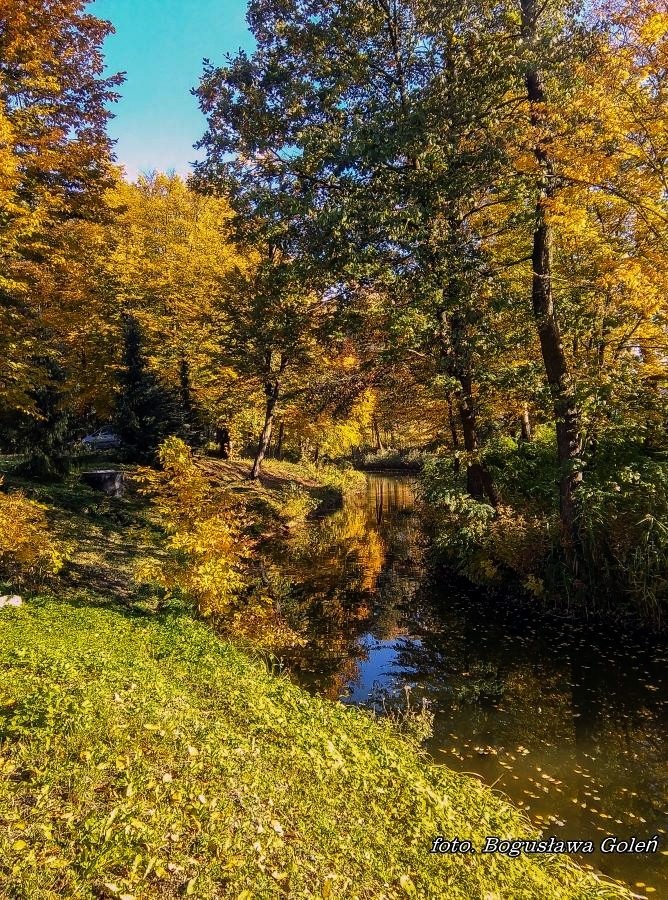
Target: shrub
<point>206,544</point>
<point>461,523</point>
<point>622,515</point>
<point>27,550</point>
<point>521,542</point>
<point>339,478</point>
<point>410,459</point>
<point>479,539</point>
<point>41,466</point>
<point>622,519</point>
<point>525,471</point>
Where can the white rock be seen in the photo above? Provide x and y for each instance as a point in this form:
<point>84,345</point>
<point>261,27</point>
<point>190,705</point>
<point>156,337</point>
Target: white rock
<point>14,600</point>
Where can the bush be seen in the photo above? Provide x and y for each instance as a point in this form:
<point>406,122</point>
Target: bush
<point>522,543</point>
<point>479,540</point>
<point>411,459</point>
<point>27,551</point>
<point>206,545</point>
<point>525,470</point>
<point>622,515</point>
<point>622,519</point>
<point>339,478</point>
<point>42,467</point>
<point>461,523</point>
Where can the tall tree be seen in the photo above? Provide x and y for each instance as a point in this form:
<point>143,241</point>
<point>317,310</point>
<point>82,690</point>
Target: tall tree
<point>56,166</point>
<point>363,134</point>
<point>176,271</point>
<point>596,98</point>
<point>559,375</point>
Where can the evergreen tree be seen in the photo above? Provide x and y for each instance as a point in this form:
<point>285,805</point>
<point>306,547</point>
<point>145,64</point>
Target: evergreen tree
<point>147,412</point>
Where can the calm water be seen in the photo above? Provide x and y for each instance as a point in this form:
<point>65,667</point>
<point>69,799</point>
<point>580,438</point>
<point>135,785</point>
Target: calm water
<point>566,720</point>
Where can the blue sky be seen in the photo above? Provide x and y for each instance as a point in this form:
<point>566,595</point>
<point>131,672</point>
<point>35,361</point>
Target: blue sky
<point>161,45</point>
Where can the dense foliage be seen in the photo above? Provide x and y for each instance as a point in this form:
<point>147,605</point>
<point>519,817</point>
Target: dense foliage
<point>416,229</point>
<point>483,187</point>
<point>28,551</point>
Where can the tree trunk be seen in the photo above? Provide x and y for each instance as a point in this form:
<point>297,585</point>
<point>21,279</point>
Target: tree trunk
<point>376,431</point>
<point>479,482</point>
<point>224,442</point>
<point>566,412</point>
<point>455,437</point>
<point>272,390</point>
<point>525,422</point>
<point>109,481</point>
<point>279,443</point>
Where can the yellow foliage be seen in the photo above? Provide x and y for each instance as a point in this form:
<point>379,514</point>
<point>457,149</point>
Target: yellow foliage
<point>294,504</point>
<point>176,270</point>
<point>521,542</point>
<point>27,550</point>
<point>206,547</point>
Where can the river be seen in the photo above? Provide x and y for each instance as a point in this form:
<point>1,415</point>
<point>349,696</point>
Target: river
<point>566,719</point>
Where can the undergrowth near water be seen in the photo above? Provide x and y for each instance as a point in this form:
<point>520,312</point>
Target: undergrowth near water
<point>622,510</point>
<point>340,478</point>
<point>142,757</point>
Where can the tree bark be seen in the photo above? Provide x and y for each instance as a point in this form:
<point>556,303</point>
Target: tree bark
<point>479,481</point>
<point>109,481</point>
<point>525,423</point>
<point>272,391</point>
<point>224,442</point>
<point>455,437</point>
<point>566,412</point>
<point>279,443</point>
<point>376,431</point>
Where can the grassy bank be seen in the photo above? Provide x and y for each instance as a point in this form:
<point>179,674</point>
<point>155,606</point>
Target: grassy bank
<point>104,540</point>
<point>141,756</point>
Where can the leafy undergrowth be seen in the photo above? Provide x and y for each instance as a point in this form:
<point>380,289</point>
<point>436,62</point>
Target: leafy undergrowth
<point>142,757</point>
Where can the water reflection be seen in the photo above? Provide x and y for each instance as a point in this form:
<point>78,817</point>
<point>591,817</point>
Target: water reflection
<point>568,720</point>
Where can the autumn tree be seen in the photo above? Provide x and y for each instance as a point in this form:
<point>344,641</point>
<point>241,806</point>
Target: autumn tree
<point>276,338</point>
<point>365,136</point>
<point>177,275</point>
<point>55,166</point>
<point>595,91</point>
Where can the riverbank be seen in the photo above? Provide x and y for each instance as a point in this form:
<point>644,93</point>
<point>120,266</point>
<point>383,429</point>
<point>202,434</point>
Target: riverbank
<point>144,757</point>
<point>103,541</point>
<point>119,713</point>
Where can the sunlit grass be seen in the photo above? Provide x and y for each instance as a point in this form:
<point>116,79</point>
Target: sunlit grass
<point>143,757</point>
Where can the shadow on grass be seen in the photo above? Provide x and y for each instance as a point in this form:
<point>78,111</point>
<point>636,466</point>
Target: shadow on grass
<point>104,537</point>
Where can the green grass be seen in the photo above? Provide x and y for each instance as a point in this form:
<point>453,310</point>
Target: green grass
<point>141,756</point>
